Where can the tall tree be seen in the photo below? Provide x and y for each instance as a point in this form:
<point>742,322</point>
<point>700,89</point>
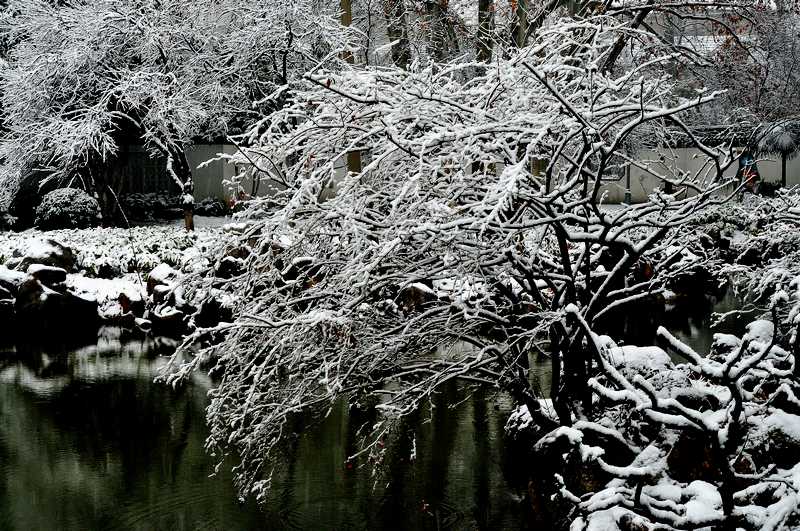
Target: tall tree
<point>87,76</point>
<point>446,237</point>
<point>395,14</point>
<point>485,38</point>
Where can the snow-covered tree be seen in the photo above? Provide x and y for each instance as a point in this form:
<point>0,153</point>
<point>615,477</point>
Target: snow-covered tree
<point>755,58</point>
<point>84,77</point>
<point>477,220</point>
<point>710,443</point>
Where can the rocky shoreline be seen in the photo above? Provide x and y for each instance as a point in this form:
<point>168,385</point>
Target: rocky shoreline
<point>76,282</point>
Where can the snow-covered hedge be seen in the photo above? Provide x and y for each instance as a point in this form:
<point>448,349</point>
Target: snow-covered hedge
<point>67,208</point>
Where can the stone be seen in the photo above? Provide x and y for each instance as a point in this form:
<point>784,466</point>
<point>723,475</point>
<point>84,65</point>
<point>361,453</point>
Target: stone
<point>47,275</point>
<point>163,294</point>
<point>39,307</point>
<point>415,296</point>
<point>162,275</point>
<point>11,280</point>
<point>691,458</point>
<point>113,314</point>
<point>558,452</point>
<point>775,439</point>
<point>47,252</point>
<point>168,321</point>
<point>136,307</point>
<point>211,313</point>
<point>230,267</point>
<point>144,325</point>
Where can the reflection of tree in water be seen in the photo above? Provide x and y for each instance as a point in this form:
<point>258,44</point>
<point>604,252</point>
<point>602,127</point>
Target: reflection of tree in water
<point>121,453</point>
<point>88,441</point>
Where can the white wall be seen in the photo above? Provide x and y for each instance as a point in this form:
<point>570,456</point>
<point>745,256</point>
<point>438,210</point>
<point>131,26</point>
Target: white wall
<point>208,181</point>
<point>671,163</point>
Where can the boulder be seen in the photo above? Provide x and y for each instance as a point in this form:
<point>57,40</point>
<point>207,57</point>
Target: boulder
<point>230,267</point>
<point>775,439</point>
<point>114,314</point>
<point>559,452</point>
<point>67,208</point>
<point>45,251</point>
<point>414,296</point>
<point>163,294</point>
<point>11,280</point>
<point>211,313</point>
<point>119,301</point>
<point>143,325</point>
<point>691,458</point>
<point>162,275</point>
<point>39,307</point>
<point>47,275</point>
<point>168,321</point>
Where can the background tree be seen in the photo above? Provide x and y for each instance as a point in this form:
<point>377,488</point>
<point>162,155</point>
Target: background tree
<point>85,77</point>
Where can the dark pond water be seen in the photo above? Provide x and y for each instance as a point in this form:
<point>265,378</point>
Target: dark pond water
<point>691,320</point>
<point>89,442</point>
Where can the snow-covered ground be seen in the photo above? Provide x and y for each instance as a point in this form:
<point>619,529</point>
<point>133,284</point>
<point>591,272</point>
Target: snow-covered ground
<point>43,275</point>
<point>113,252</point>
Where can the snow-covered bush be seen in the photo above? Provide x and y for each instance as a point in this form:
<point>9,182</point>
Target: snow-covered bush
<point>452,233</point>
<point>716,440</point>
<point>67,208</point>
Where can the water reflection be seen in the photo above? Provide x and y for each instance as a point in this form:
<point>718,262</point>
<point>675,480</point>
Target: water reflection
<point>690,320</point>
<point>87,441</point>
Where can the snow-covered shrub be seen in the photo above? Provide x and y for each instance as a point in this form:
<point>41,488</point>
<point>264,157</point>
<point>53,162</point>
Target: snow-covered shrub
<point>448,235</point>
<point>150,206</point>
<point>716,440</point>
<point>67,208</point>
<point>211,207</point>
<point>114,252</point>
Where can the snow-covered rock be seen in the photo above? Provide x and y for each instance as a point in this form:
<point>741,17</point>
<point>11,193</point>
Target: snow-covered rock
<point>640,359</point>
<point>43,251</point>
<point>162,275</point>
<point>39,307</point>
<point>119,301</point>
<point>11,279</point>
<point>47,275</point>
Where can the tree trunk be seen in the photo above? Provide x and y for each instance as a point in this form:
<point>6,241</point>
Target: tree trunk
<point>519,31</point>
<point>619,46</point>
<point>436,15</point>
<point>397,30</point>
<point>485,31</point>
<point>354,161</point>
<point>346,7</point>
<point>181,172</point>
<point>783,170</point>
